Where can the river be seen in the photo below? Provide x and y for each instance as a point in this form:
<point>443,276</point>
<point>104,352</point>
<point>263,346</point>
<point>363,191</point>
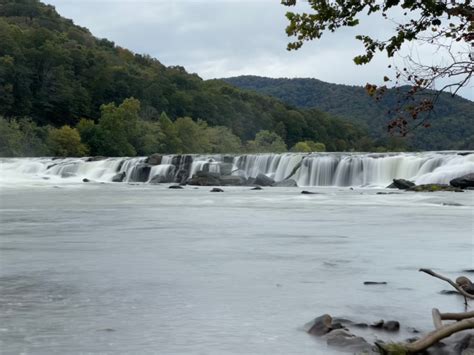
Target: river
<point>138,268</point>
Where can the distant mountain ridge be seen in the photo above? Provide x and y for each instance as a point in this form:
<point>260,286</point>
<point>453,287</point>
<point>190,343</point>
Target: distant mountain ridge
<point>451,121</point>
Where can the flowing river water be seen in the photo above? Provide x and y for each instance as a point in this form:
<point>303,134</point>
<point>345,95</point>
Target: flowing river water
<point>138,268</point>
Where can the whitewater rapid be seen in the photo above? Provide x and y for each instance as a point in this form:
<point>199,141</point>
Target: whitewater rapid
<point>315,169</point>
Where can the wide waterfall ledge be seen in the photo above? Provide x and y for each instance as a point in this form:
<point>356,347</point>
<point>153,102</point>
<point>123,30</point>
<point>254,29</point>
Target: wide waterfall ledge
<point>316,169</point>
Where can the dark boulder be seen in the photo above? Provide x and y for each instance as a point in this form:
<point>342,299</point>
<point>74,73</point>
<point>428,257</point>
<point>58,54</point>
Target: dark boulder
<point>216,189</point>
<point>401,184</point>
<point>85,180</point>
<point>264,180</point>
<point>154,159</point>
<point>119,177</point>
<point>140,173</point>
<point>391,326</point>
<point>463,182</point>
<point>304,192</point>
<point>320,325</point>
<point>256,188</point>
<point>286,183</point>
<point>175,187</point>
<point>434,188</point>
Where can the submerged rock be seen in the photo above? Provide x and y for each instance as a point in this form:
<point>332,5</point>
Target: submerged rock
<point>264,180</point>
<point>119,177</point>
<point>434,188</point>
<point>286,183</point>
<point>463,182</point>
<point>256,188</point>
<point>391,326</point>
<point>176,187</point>
<point>448,292</point>
<point>304,192</point>
<point>375,282</point>
<point>401,184</point>
<point>85,180</point>
<point>216,189</point>
<point>451,204</point>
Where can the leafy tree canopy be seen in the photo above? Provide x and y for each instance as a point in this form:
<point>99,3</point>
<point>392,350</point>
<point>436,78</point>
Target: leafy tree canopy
<point>446,25</point>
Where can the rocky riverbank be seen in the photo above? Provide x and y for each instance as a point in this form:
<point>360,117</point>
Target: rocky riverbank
<point>378,337</point>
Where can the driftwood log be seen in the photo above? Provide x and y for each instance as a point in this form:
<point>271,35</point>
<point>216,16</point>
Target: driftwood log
<point>463,320</point>
<point>451,282</point>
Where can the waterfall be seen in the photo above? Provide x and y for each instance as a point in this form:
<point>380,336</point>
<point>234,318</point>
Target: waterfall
<point>315,169</point>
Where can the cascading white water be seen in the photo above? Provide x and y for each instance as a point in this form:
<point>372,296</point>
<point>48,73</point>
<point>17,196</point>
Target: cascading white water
<point>316,169</point>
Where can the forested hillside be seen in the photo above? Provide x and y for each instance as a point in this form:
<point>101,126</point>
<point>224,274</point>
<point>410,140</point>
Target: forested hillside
<point>451,121</point>
<point>55,74</point>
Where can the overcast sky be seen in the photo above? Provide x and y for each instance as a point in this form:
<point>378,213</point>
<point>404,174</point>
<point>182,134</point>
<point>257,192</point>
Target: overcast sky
<point>222,38</point>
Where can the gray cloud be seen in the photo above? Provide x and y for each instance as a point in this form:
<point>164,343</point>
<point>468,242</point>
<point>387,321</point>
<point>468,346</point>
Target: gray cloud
<point>220,38</point>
